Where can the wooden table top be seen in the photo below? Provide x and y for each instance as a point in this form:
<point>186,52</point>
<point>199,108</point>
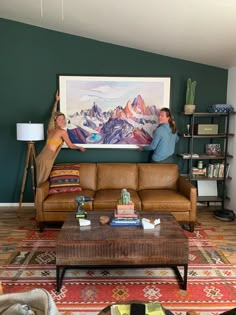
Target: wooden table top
<point>121,245</point>
<point>168,228</point>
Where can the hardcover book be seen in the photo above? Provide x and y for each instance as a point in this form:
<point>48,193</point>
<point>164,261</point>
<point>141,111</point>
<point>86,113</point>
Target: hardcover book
<point>125,221</point>
<point>117,214</point>
<point>125,209</point>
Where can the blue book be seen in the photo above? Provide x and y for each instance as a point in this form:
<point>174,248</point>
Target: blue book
<point>126,223</point>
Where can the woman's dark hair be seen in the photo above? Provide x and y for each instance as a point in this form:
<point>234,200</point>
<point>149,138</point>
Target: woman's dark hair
<point>171,118</point>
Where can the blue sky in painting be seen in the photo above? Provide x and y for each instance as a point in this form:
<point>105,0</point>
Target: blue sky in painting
<point>81,94</point>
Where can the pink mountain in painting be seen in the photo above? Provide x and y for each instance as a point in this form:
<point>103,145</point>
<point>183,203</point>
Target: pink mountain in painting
<point>132,124</point>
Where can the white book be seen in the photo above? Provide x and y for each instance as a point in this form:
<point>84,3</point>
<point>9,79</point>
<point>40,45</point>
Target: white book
<point>227,170</point>
<point>221,170</point>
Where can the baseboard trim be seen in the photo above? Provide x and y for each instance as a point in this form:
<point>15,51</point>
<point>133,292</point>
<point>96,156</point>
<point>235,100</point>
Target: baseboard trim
<point>16,204</point>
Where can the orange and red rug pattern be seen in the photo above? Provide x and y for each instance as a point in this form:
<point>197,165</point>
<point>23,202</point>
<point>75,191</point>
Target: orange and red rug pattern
<point>211,279</point>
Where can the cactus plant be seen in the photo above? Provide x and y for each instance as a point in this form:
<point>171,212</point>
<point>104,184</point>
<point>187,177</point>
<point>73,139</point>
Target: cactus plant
<point>190,93</point>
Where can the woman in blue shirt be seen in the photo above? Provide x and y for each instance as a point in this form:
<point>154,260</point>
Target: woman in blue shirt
<point>164,138</point>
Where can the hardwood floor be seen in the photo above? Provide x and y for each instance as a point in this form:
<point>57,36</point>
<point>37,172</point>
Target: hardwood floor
<point>223,236</point>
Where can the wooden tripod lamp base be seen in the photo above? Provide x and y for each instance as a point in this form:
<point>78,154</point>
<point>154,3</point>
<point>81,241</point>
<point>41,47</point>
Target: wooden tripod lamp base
<point>30,160</point>
<point>30,133</point>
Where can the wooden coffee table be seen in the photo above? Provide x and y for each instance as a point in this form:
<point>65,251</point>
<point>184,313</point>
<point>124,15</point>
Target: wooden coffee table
<point>100,246</point>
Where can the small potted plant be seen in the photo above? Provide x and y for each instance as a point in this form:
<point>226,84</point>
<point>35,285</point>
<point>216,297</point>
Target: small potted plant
<point>189,106</point>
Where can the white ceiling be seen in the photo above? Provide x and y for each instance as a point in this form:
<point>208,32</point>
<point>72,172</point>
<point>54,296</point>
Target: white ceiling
<point>202,31</point>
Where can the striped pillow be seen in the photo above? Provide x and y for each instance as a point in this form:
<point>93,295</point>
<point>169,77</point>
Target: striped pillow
<point>64,178</point>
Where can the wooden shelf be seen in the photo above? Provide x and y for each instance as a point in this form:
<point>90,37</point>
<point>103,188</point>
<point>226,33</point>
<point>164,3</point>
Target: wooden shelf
<point>205,157</point>
<point>206,178</point>
<point>194,179</point>
<point>209,199</point>
<point>218,135</point>
<point>200,114</point>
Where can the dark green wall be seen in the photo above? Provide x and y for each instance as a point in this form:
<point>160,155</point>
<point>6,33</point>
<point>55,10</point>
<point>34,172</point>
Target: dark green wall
<point>32,58</point>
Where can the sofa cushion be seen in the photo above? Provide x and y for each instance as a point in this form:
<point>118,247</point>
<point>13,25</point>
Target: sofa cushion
<point>107,199</point>
<point>66,201</point>
<point>157,176</point>
<point>162,199</point>
<point>88,176</point>
<point>117,176</point>
<point>64,177</point>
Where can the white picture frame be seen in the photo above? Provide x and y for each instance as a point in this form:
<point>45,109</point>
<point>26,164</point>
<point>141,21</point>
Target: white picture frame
<point>207,188</point>
<point>112,112</point>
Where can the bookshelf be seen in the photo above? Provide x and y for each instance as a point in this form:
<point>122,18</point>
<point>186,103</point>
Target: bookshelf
<point>213,135</point>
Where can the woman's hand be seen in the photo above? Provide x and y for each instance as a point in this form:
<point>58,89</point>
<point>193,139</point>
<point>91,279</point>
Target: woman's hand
<point>57,99</point>
<point>82,149</point>
<point>57,96</point>
<point>140,148</point>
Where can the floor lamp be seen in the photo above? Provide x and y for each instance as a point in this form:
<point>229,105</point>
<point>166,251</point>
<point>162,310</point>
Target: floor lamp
<point>30,133</point>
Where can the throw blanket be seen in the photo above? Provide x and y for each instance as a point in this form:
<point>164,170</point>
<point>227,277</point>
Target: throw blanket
<point>34,302</point>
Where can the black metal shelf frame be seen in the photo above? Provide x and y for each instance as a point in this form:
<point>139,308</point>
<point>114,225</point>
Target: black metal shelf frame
<point>192,137</point>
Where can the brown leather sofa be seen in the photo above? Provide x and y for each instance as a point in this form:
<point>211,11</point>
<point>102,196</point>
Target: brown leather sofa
<point>151,187</point>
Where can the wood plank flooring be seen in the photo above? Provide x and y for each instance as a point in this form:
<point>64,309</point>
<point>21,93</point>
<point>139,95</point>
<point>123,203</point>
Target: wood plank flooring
<point>223,236</point>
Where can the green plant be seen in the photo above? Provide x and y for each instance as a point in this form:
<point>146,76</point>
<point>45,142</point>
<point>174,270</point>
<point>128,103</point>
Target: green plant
<point>190,93</point>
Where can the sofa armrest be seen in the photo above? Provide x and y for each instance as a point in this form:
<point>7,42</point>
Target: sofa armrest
<point>41,194</point>
<point>189,191</point>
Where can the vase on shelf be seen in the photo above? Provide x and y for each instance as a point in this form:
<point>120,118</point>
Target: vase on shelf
<point>189,108</point>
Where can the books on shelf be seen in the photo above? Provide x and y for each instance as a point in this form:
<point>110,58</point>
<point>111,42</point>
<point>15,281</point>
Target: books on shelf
<point>199,171</point>
<point>221,170</point>
<point>188,155</point>
<point>215,170</point>
<point>212,170</point>
<point>227,170</point>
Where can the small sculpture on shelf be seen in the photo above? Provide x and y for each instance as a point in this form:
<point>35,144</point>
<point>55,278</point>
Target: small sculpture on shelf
<point>187,134</point>
<point>188,129</point>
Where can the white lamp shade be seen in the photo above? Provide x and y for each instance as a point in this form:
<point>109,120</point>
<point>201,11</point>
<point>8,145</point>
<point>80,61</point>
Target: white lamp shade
<point>29,132</point>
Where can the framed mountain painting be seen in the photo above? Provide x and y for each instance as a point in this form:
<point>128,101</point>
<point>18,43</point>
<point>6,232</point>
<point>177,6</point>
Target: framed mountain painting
<point>112,112</point>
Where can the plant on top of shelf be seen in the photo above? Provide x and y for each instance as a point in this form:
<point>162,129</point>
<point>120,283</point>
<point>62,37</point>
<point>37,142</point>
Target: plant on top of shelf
<point>189,106</point>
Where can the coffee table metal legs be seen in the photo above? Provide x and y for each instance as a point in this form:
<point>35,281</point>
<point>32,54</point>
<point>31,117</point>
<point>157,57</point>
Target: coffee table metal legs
<point>183,279</point>
<point>60,272</point>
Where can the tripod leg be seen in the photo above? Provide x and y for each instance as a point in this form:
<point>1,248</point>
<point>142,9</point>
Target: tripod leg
<point>32,168</point>
<point>25,174</point>
<point>34,163</point>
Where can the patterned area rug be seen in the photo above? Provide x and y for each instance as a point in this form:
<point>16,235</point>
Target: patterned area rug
<point>211,279</point>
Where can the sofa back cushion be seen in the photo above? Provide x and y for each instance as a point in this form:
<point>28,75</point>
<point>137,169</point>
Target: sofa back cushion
<point>157,176</point>
<point>117,176</point>
<point>88,176</point>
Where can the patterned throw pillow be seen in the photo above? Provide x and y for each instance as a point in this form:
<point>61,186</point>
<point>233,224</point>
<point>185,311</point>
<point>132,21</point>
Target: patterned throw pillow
<point>64,178</point>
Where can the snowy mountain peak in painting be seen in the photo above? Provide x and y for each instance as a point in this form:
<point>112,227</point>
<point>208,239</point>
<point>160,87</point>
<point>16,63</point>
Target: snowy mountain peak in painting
<point>132,123</point>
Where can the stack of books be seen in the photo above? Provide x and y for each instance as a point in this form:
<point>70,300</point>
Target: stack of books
<point>125,217</point>
<point>198,171</point>
<point>215,170</point>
